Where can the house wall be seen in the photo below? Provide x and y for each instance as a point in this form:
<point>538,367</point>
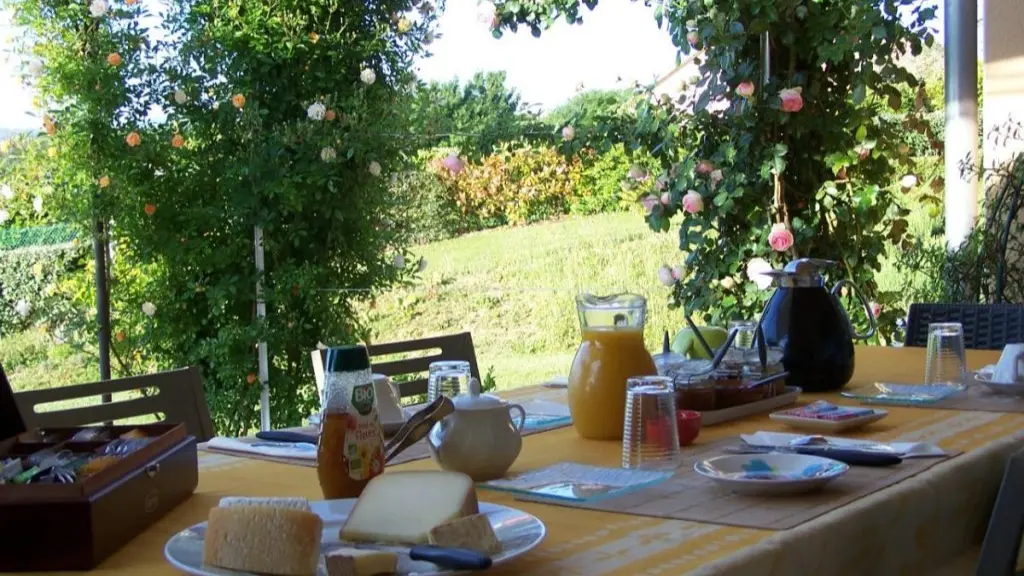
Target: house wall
<point>1004,73</point>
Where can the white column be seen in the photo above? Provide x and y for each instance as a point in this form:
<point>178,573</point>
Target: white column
<point>961,40</point>
<point>261,313</point>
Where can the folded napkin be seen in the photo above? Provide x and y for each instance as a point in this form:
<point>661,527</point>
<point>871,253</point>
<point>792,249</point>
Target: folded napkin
<point>546,408</point>
<point>298,450</point>
<point>903,449</point>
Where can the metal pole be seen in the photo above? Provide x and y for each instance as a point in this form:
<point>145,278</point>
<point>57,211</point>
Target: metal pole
<point>961,40</point>
<point>766,58</point>
<point>261,313</point>
<point>99,253</point>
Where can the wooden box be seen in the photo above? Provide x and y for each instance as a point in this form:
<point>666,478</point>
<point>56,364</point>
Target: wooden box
<point>76,526</point>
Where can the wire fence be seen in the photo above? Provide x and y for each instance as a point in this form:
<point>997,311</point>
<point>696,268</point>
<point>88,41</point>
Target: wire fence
<point>37,236</point>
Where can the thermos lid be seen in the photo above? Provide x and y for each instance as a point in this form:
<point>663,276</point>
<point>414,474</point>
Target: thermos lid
<point>347,359</point>
<point>802,273</point>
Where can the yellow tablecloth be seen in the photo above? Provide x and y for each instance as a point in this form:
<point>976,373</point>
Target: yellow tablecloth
<point>905,529</point>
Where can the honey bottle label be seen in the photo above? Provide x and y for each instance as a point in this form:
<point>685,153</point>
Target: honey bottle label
<point>364,442</point>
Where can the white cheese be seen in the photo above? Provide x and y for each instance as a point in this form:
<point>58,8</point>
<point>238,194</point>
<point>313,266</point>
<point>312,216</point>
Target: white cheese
<point>472,532</point>
<point>402,507</point>
<point>353,562</point>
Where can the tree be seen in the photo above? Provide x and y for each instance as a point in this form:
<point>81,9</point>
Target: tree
<point>277,117</point>
<point>590,107</point>
<point>473,118</point>
<point>795,164</point>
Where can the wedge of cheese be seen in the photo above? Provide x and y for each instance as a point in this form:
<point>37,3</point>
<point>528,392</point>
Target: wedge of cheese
<point>402,507</point>
<point>251,537</point>
<point>353,562</point>
<point>472,532</point>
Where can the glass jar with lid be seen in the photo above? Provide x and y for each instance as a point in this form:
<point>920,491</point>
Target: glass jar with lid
<point>753,372</point>
<point>695,388</point>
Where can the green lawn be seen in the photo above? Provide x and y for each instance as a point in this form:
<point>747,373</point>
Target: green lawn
<point>515,288</point>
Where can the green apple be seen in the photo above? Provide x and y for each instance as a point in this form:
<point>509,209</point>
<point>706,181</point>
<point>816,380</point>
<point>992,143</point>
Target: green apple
<point>686,343</point>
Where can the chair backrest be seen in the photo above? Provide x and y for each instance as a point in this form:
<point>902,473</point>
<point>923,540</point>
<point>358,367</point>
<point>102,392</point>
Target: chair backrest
<point>177,394</point>
<point>452,347</point>
<point>1006,526</point>
<point>986,326</point>
<point>11,421</point>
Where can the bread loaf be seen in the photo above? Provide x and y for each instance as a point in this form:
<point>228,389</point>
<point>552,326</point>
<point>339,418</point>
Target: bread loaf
<point>472,532</point>
<point>264,539</point>
<point>352,562</point>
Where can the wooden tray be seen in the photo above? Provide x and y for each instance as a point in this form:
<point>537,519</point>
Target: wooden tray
<point>712,417</point>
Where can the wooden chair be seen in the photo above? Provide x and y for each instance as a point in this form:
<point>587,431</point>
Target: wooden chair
<point>1006,526</point>
<point>11,422</point>
<point>986,326</point>
<point>453,347</point>
<point>179,397</point>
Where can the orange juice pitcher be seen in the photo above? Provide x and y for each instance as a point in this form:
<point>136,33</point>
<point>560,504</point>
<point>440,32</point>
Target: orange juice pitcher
<point>612,351</point>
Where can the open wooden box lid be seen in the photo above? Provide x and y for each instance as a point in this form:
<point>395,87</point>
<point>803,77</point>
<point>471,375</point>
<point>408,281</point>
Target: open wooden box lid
<point>11,421</point>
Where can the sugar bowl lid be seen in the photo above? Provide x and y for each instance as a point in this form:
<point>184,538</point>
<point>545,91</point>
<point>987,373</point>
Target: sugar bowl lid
<point>473,399</point>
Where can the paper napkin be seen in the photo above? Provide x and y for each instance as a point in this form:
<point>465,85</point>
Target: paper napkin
<point>904,449</point>
<point>298,450</point>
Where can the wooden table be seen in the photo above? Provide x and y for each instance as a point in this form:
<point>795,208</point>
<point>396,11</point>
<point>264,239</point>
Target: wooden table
<point>907,528</point>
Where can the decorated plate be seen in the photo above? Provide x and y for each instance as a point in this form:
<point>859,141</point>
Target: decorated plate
<point>771,474</point>
<point>517,531</point>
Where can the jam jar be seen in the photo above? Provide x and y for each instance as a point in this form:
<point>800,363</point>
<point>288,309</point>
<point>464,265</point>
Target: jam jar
<point>728,381</point>
<point>753,372</point>
<point>695,389</point>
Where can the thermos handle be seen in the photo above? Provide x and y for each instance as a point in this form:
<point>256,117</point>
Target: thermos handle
<point>864,301</point>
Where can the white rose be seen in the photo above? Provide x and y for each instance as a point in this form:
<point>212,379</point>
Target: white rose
<point>216,105</point>
<point>756,269</point>
<point>37,204</point>
<point>398,261</point>
<point>98,8</point>
<point>368,76</point>
<point>23,308</point>
<point>665,276</point>
<point>6,192</point>
<point>316,111</point>
<point>328,154</point>
<point>180,97</point>
<point>35,68</point>
<point>568,133</point>
<point>149,309</point>
<point>4,216</point>
<point>374,168</point>
<point>728,283</point>
<point>908,181</point>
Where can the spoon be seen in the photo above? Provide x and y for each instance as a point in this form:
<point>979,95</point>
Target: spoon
<point>720,355</point>
<point>700,337</point>
<point>825,443</point>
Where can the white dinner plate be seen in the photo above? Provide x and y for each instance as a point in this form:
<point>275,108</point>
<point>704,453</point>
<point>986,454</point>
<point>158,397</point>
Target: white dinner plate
<point>771,474</point>
<point>517,531</point>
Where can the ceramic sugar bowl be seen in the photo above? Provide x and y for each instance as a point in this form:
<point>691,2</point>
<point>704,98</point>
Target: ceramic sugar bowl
<point>480,438</point>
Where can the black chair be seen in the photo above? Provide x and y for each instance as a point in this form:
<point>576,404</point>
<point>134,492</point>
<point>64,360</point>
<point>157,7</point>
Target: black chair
<point>451,347</point>
<point>986,326</point>
<point>1006,526</point>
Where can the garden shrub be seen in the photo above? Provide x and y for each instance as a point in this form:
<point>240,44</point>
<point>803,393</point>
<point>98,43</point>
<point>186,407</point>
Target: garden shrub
<point>28,276</point>
<point>601,183</point>
<point>426,206</point>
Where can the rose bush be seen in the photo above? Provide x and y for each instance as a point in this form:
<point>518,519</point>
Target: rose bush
<point>232,146</point>
<point>803,148</point>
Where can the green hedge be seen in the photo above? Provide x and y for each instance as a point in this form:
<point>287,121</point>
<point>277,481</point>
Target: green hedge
<point>27,274</point>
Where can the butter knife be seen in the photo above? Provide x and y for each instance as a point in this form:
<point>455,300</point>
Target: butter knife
<point>847,456</point>
<point>443,557</point>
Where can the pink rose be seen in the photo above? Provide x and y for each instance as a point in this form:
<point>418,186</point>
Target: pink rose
<point>665,276</point>
<point>704,167</point>
<point>638,172</point>
<point>693,202</point>
<point>677,271</point>
<point>745,89</point>
<point>661,183</point>
<point>454,164</point>
<point>876,309</point>
<point>649,202</point>
<point>792,101</point>
<point>780,238</point>
<point>693,38</point>
<point>716,177</point>
<point>666,198</point>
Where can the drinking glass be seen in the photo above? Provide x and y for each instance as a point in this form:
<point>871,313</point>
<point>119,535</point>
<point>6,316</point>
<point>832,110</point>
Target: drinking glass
<point>650,437</point>
<point>746,331</point>
<point>447,378</point>
<point>946,366</point>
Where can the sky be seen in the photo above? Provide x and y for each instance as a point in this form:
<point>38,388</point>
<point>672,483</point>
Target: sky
<point>617,44</point>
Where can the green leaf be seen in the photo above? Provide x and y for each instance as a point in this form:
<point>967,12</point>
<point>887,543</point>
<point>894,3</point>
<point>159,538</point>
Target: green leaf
<point>879,33</point>
<point>736,28</point>
<point>862,133</point>
<point>720,198</point>
<point>859,93</point>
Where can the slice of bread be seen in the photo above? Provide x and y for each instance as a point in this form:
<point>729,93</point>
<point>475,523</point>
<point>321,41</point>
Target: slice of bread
<point>263,539</point>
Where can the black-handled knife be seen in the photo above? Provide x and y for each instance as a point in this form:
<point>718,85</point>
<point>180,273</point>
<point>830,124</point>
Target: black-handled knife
<point>286,436</point>
<point>851,457</point>
<point>451,558</point>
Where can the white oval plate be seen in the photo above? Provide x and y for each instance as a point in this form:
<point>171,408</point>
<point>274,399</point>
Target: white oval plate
<point>771,474</point>
<point>1011,388</point>
<point>517,531</point>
